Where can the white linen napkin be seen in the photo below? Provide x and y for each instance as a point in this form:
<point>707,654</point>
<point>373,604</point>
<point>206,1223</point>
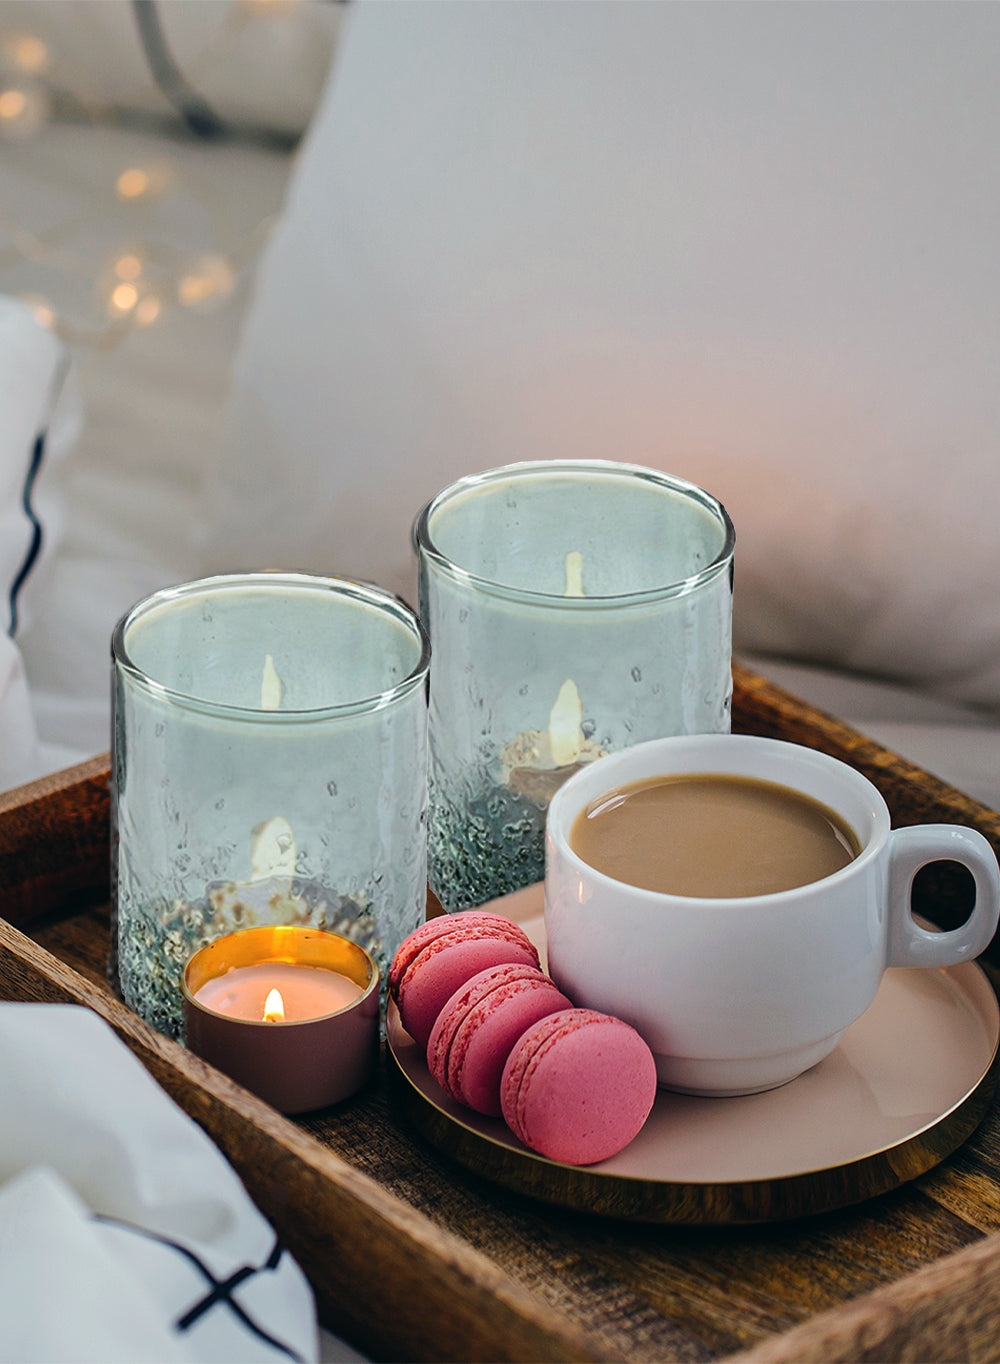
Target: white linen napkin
<point>124,1233</point>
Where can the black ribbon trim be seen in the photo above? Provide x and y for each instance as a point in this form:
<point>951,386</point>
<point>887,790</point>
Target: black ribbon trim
<point>221,1289</point>
<point>194,110</point>
<point>35,547</point>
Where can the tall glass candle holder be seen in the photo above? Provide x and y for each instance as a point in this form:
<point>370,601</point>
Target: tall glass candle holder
<point>574,608</point>
<point>269,767</point>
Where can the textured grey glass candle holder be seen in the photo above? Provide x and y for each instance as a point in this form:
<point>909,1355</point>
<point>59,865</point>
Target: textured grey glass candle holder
<point>560,595</point>
<point>269,767</point>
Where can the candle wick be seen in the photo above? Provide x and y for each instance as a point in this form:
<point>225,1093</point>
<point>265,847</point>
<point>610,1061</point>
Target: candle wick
<point>271,686</point>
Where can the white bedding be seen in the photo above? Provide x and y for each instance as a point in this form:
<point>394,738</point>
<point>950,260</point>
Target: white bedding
<point>124,511</point>
<point>133,511</point>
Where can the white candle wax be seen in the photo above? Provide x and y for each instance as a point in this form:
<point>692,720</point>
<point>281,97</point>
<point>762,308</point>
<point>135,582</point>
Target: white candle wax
<point>306,991</point>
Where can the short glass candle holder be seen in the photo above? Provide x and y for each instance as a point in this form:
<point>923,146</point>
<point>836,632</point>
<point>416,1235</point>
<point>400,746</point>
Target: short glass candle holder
<point>269,768</point>
<point>574,608</point>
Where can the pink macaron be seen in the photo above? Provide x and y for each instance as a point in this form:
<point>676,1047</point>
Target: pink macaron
<point>440,956</point>
<point>578,1086</point>
<point>444,923</point>
<point>479,1025</point>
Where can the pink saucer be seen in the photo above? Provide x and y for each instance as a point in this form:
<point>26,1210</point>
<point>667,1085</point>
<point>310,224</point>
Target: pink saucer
<point>908,1083</point>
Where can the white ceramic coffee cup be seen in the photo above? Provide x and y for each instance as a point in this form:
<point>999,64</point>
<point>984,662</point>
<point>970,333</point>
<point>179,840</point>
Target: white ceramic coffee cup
<point>740,995</point>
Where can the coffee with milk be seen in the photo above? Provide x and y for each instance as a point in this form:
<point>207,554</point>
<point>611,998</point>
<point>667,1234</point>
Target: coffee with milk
<point>711,835</point>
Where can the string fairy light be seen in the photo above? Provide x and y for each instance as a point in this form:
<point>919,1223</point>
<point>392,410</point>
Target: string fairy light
<point>143,278</point>
<point>24,101</point>
<point>45,314</point>
<point>128,266</point>
<point>210,281</point>
<point>147,310</point>
<point>24,109</point>
<point>25,52</point>
<point>137,183</point>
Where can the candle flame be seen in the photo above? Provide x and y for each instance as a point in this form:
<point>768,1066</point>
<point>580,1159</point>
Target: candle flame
<point>271,687</point>
<point>574,574</point>
<point>274,1007</point>
<point>565,735</point>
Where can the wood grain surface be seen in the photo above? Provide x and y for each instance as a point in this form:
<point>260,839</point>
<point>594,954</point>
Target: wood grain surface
<point>946,1311</point>
<point>54,841</point>
<point>414,1258</point>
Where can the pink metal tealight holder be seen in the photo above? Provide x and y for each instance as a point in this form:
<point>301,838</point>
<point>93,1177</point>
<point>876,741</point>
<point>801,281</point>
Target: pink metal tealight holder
<point>289,1012</point>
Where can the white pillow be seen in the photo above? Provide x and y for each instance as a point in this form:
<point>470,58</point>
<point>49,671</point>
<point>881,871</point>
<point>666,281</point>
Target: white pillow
<point>260,65</point>
<point>752,244</point>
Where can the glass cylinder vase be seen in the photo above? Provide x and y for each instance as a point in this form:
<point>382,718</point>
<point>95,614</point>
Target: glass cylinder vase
<point>573,608</point>
<point>269,767</point>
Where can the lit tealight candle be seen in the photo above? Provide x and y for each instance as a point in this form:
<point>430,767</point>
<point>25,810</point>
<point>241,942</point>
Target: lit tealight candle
<point>278,991</point>
<point>289,1012</point>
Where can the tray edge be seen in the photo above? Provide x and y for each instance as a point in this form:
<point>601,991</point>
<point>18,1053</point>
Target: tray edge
<point>434,1275</point>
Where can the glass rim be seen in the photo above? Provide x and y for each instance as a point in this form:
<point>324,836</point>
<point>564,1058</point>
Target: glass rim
<point>364,593</point>
<point>423,541</point>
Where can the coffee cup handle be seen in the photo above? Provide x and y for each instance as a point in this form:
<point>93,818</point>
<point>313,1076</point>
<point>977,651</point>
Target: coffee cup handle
<point>909,850</point>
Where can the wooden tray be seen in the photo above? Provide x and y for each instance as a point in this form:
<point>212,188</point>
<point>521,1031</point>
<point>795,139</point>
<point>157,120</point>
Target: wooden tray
<point>413,1257</point>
